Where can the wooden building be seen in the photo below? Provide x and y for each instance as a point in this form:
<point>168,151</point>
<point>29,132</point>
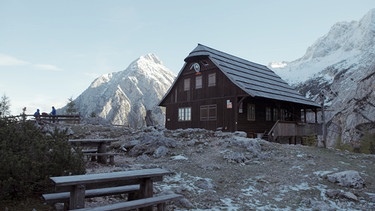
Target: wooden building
<point>215,90</point>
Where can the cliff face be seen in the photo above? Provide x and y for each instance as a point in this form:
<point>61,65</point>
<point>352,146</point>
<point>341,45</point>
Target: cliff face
<point>339,69</point>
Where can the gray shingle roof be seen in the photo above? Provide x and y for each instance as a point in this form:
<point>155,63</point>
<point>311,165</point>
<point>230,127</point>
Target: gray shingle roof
<point>255,79</point>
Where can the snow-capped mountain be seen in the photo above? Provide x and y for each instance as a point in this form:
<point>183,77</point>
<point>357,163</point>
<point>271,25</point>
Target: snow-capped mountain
<point>341,67</point>
<point>123,98</point>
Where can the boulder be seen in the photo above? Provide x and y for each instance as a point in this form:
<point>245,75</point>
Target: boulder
<point>341,194</point>
<point>347,179</point>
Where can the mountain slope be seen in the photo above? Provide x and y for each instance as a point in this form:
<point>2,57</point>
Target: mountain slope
<point>124,97</point>
<point>339,67</point>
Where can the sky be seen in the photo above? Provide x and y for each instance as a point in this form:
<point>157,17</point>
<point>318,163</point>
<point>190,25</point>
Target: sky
<point>52,50</point>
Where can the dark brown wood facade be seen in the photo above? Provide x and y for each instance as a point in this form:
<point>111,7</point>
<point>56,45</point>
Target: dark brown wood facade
<point>196,101</point>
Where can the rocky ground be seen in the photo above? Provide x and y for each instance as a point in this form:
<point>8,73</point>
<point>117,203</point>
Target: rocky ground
<point>226,171</point>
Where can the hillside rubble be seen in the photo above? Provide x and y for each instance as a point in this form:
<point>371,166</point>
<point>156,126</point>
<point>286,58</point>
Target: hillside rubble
<point>227,171</point>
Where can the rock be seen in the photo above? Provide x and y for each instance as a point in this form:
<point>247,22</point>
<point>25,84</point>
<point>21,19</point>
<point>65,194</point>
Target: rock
<point>236,157</point>
<point>371,197</point>
<point>160,152</point>
<point>350,196</point>
<point>240,134</point>
<point>341,194</point>
<point>137,150</point>
<point>143,158</point>
<point>204,184</point>
<point>131,143</point>
<point>251,145</point>
<point>333,193</point>
<point>184,202</point>
<point>347,179</point>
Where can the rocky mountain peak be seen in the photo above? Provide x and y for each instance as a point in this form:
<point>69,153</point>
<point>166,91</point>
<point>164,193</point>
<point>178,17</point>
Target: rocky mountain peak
<point>344,37</point>
<point>124,97</point>
<point>150,58</point>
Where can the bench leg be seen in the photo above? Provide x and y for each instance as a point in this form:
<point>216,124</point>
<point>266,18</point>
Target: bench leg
<point>93,158</point>
<point>133,195</point>
<point>102,148</point>
<point>77,197</point>
<point>112,159</point>
<point>146,189</point>
<point>162,207</point>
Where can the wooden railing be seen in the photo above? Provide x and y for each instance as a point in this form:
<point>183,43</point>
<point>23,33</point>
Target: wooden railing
<point>293,129</point>
<point>61,118</point>
<point>74,118</point>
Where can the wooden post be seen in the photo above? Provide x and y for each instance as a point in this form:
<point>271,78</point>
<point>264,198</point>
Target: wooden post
<point>77,197</point>
<point>146,189</point>
<point>112,159</point>
<point>161,207</point>
<point>324,124</point>
<point>102,148</point>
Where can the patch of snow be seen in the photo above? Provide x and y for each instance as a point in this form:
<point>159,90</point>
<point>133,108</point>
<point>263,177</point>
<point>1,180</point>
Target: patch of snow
<point>179,157</point>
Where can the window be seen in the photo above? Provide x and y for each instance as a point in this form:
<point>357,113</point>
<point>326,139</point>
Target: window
<point>212,79</point>
<point>283,114</point>
<point>187,84</point>
<point>250,112</point>
<point>275,114</point>
<point>303,115</point>
<point>268,114</point>
<point>184,114</point>
<point>208,112</point>
<point>198,82</point>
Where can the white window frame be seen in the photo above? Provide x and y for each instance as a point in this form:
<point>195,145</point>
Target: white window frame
<point>184,114</point>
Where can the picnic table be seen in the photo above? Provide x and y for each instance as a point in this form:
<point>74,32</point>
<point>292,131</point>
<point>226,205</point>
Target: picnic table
<point>78,186</point>
<point>100,144</point>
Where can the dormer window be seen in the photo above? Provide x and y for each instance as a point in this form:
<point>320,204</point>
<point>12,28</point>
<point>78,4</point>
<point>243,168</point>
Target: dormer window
<point>198,82</point>
<point>212,79</point>
<point>187,84</point>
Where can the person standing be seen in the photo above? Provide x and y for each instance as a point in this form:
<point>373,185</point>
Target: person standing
<point>37,115</point>
<point>53,114</point>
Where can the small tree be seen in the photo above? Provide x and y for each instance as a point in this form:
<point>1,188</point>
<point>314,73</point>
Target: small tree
<point>93,115</point>
<point>29,156</point>
<point>4,106</point>
<point>71,106</point>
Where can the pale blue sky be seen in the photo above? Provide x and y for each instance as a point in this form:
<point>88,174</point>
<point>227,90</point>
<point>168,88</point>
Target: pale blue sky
<point>52,50</point>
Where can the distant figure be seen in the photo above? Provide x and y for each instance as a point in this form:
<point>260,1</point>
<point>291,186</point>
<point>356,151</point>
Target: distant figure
<point>53,113</point>
<point>37,115</point>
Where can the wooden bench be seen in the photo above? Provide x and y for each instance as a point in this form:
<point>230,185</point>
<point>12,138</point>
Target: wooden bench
<point>159,201</point>
<point>87,151</point>
<point>94,156</point>
<point>52,198</point>
<point>99,143</point>
<point>79,187</point>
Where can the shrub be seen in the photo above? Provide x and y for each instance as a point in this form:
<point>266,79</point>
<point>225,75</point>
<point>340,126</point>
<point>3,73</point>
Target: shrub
<point>343,146</point>
<point>310,140</point>
<point>368,143</point>
<point>29,156</point>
